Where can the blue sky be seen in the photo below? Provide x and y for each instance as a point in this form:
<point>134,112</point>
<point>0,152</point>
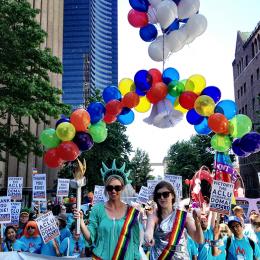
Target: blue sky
<point>210,55</point>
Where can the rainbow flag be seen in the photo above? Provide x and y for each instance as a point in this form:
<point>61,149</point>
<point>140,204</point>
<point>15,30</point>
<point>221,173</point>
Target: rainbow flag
<point>125,235</point>
<point>177,230</point>
<point>34,171</point>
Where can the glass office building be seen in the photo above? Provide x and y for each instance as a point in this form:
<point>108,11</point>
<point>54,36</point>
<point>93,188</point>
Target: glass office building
<point>90,48</point>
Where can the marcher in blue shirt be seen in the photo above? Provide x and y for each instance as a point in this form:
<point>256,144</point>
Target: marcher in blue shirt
<point>238,246</point>
<point>64,230</point>
<point>23,219</point>
<point>51,248</point>
<point>31,238</point>
<point>11,243</point>
<point>192,248</point>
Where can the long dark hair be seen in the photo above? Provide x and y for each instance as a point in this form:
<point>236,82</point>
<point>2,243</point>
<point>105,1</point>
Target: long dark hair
<point>169,187</point>
<point>7,241</point>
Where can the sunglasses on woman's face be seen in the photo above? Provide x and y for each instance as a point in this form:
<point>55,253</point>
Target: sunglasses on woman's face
<point>31,228</point>
<point>164,194</point>
<point>111,188</point>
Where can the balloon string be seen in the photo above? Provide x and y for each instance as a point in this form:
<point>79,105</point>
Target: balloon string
<point>163,52</point>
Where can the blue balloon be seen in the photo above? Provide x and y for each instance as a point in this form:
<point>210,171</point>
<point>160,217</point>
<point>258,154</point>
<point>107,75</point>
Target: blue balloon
<point>83,140</point>
<point>184,20</point>
<point>126,117</point>
<point>171,98</point>
<point>148,33</point>
<point>62,120</point>
<point>193,117</point>
<point>203,128</point>
<point>110,93</point>
<point>212,92</point>
<point>176,1</point>
<point>237,148</point>
<point>143,80</point>
<point>169,75</point>
<point>139,92</point>
<point>96,111</point>
<point>226,107</point>
<point>139,5</point>
<point>250,142</point>
<point>175,25</point>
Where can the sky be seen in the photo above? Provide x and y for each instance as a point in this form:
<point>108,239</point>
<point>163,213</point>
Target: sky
<point>210,55</point>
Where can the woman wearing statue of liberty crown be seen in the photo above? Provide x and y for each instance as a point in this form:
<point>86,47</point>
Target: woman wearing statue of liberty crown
<point>113,226</point>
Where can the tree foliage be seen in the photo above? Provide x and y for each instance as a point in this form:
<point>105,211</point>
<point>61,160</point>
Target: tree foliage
<point>140,169</point>
<point>25,88</point>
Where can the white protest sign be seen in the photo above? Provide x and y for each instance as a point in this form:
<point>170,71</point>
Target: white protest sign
<point>5,209</point>
<point>15,188</point>
<point>15,212</point>
<point>39,187</point>
<point>63,187</point>
<point>221,197</point>
<point>47,227</point>
<point>176,182</point>
<point>151,185</point>
<point>143,195</point>
<point>99,194</point>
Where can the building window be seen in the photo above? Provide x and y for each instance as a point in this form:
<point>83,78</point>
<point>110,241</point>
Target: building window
<point>243,110</point>
<point>252,80</point>
<point>238,94</point>
<point>241,90</point>
<point>253,50</point>
<point>246,60</point>
<point>257,74</point>
<point>244,88</point>
<point>246,109</point>
<point>253,104</point>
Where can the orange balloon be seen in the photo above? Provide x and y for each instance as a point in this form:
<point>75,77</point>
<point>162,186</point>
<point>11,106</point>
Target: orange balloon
<point>157,92</point>
<point>218,123</point>
<point>80,119</point>
<point>130,100</point>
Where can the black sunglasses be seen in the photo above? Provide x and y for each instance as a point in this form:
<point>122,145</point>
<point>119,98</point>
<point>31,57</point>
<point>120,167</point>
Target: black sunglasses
<point>111,188</point>
<point>165,194</point>
<point>31,227</point>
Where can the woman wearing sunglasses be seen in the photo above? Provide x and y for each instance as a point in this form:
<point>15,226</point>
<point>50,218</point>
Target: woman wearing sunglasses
<point>167,228</point>
<point>113,227</point>
<point>31,238</point>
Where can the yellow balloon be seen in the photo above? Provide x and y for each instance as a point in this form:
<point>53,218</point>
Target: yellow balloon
<point>65,131</point>
<point>195,83</point>
<point>204,105</point>
<point>126,85</point>
<point>178,107</point>
<point>144,105</point>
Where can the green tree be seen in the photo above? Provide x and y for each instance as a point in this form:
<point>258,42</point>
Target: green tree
<point>25,89</point>
<point>141,169</point>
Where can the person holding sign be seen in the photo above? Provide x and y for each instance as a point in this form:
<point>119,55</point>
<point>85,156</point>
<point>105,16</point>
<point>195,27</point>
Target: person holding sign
<point>11,243</point>
<point>23,219</point>
<point>167,228</point>
<point>113,226</point>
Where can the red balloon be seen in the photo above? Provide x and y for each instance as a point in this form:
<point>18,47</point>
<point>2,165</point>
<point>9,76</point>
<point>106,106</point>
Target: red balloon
<point>156,76</point>
<point>130,100</point>
<point>109,119</point>
<point>52,159</point>
<point>157,92</point>
<point>218,123</point>
<point>137,19</point>
<point>80,119</point>
<point>187,99</point>
<point>68,151</point>
<point>114,107</point>
<point>187,182</point>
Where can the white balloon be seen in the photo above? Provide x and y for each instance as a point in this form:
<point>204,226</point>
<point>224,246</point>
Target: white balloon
<point>155,49</point>
<point>196,25</point>
<point>152,18</point>
<point>154,3</point>
<point>166,13</point>
<point>176,40</point>
<point>186,8</point>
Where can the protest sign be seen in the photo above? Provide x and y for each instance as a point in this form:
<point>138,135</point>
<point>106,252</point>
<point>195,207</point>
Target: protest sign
<point>63,187</point>
<point>143,195</point>
<point>39,187</point>
<point>15,188</point>
<point>47,227</point>
<point>99,194</point>
<point>176,182</point>
<point>221,196</point>
<point>151,185</point>
<point>5,209</point>
<point>15,213</point>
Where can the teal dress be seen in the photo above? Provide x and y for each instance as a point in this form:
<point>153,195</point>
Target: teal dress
<point>105,232</point>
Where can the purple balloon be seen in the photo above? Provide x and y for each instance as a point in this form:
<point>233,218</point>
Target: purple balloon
<point>237,149</point>
<point>250,142</point>
<point>83,140</point>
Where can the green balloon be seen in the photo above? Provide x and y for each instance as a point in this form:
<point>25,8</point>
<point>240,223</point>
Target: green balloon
<point>49,138</point>
<point>220,143</point>
<point>240,125</point>
<point>175,88</point>
<point>98,132</point>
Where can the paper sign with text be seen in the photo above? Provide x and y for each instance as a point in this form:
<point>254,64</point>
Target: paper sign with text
<point>15,188</point>
<point>143,195</point>
<point>176,182</point>
<point>39,187</point>
<point>63,187</point>
<point>47,227</point>
<point>151,185</point>
<point>221,197</point>
<point>15,212</point>
<point>99,194</point>
<point>5,209</point>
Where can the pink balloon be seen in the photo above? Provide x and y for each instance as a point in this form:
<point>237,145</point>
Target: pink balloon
<point>68,151</point>
<point>137,19</point>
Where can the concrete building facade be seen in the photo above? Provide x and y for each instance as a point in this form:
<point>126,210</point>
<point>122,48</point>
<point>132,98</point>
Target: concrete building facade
<point>246,66</point>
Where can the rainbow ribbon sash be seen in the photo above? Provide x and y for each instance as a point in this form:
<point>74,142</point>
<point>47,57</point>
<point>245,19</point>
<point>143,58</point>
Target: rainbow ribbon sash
<point>125,234</point>
<point>177,230</point>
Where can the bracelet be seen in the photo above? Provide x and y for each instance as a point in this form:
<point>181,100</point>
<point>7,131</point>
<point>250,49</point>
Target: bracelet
<point>214,243</point>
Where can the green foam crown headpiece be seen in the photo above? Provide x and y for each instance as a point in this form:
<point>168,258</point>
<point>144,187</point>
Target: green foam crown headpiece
<point>114,171</point>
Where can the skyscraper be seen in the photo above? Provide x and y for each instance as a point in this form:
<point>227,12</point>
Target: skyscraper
<point>90,48</point>
<point>247,94</point>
